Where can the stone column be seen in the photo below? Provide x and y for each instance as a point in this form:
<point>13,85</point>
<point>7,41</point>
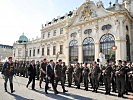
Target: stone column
<point>66,53</point>
<point>97,50</point>
<point>121,52</point>
<point>80,53</point>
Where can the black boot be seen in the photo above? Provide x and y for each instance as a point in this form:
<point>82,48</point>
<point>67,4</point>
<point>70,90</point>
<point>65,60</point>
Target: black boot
<point>11,87</point>
<point>5,87</point>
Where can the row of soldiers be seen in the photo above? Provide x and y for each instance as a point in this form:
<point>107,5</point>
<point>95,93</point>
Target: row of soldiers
<point>119,76</point>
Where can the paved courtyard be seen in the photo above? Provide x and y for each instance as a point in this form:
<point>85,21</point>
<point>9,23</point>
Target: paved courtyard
<point>23,93</point>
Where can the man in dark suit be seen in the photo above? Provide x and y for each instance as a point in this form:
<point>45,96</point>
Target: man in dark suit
<point>32,74</point>
<point>50,76</point>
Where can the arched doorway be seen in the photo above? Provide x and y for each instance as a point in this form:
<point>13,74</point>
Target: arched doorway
<point>88,50</point>
<point>73,51</point>
<point>107,41</point>
<point>128,47</point>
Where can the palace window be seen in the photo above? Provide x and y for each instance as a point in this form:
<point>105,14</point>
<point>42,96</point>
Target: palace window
<point>73,51</point>
<point>61,49</point>
<point>30,53</point>
<point>34,52</point>
<point>128,47</point>
<point>61,31</point>
<point>107,41</point>
<point>54,34</point>
<point>42,51</point>
<point>54,50</point>
<point>48,34</point>
<point>88,50</point>
<point>38,51</point>
<point>43,36</point>
<point>106,27</point>
<point>88,31</point>
<point>48,51</point>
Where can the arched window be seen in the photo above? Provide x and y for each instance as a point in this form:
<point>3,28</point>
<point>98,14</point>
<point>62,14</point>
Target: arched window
<point>107,41</point>
<point>73,51</point>
<point>88,50</point>
<point>128,47</point>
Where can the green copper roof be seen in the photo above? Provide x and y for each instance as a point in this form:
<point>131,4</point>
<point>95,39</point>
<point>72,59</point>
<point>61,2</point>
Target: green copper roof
<point>23,38</point>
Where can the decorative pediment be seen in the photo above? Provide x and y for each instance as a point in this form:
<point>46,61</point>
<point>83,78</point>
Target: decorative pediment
<point>88,11</point>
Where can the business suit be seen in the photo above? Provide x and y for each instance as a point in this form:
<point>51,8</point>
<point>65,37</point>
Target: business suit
<point>50,78</point>
<point>32,74</point>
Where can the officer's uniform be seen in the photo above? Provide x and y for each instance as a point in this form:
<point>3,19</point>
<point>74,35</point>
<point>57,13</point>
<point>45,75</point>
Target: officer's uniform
<point>131,78</point>
<point>114,78</point>
<point>77,76</point>
<point>64,68</point>
<point>70,74</point>
<point>107,75</point>
<point>95,74</point>
<point>8,72</point>
<point>120,80</point>
<point>59,76</point>
<point>85,77</point>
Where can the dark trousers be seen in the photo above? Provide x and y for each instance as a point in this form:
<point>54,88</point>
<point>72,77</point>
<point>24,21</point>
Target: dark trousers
<point>11,82</point>
<point>95,83</point>
<point>69,80</point>
<point>114,84</point>
<point>107,82</point>
<point>52,82</point>
<point>85,79</point>
<point>120,82</point>
<point>32,79</point>
<point>57,79</point>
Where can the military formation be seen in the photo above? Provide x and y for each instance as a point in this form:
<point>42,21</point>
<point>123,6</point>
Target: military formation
<point>115,76</point>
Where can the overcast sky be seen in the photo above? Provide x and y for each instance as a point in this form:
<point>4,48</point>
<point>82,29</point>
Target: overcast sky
<point>18,16</point>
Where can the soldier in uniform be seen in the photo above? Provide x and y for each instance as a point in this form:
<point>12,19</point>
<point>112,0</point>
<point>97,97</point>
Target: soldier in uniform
<point>64,68</point>
<point>107,75</point>
<point>85,76</point>
<point>70,74</point>
<point>124,63</point>
<point>95,75</point>
<point>8,72</point>
<point>77,75</point>
<point>113,76</point>
<point>42,71</point>
<point>130,74</point>
<point>59,75</point>
<point>120,78</point>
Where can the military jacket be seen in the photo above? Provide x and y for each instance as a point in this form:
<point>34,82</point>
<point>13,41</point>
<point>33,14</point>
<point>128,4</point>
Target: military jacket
<point>8,69</point>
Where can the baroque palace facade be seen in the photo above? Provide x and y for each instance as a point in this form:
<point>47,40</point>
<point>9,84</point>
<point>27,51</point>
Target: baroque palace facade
<point>82,34</point>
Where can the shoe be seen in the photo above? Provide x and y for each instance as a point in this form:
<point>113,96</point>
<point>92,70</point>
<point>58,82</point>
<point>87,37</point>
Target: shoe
<point>93,90</point>
<point>56,92</point>
<point>119,95</point>
<point>106,93</point>
<point>65,91</point>
<point>49,88</point>
<point>12,91</point>
<point>33,89</point>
